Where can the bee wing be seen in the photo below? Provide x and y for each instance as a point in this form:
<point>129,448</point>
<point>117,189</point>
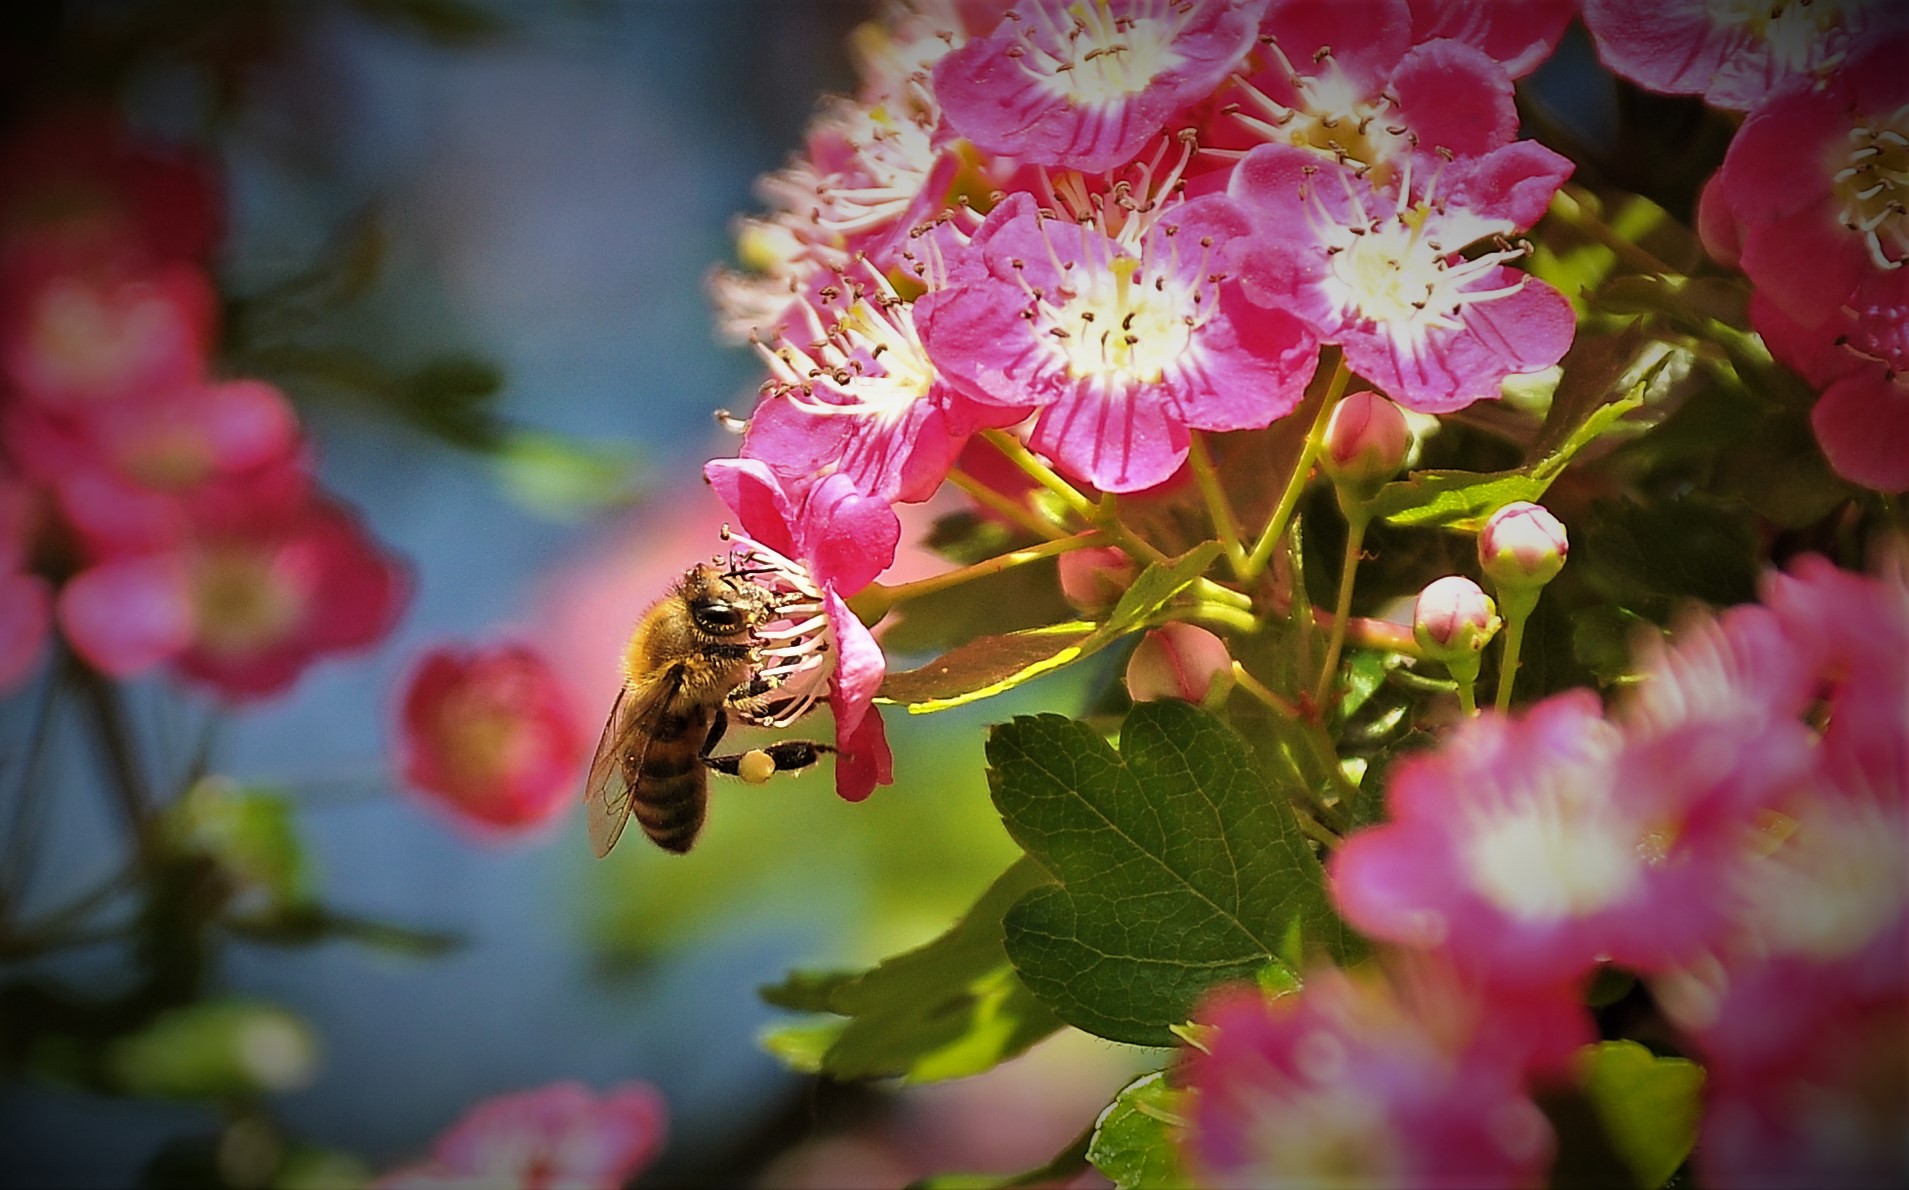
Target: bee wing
<point>607,794</point>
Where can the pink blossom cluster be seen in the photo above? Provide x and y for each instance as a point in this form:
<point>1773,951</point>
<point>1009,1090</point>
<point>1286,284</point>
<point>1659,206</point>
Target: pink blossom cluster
<point>1733,832</point>
<point>1812,200</point>
<point>161,513</point>
<point>559,1136</point>
<point>1098,228</point>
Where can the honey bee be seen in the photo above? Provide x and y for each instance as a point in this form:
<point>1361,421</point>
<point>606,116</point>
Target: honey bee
<point>692,660</point>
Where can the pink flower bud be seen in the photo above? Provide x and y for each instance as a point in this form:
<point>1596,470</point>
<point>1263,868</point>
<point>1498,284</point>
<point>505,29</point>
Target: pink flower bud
<point>1096,578</point>
<point>1366,441</point>
<point>1522,546</point>
<point>1454,618</point>
<point>1176,661</point>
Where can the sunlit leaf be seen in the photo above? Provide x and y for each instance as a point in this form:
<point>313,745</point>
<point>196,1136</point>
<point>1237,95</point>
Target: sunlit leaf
<point>1064,1165</point>
<point>1179,867</point>
<point>951,1008</point>
<point>1649,1106</point>
<point>1134,1141</point>
<point>564,478</point>
<point>992,664</point>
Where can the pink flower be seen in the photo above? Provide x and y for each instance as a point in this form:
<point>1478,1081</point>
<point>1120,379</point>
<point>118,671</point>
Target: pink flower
<point>559,1137</point>
<point>490,735</point>
<point>817,546</point>
<point>1085,86</point>
<point>1351,1082</point>
<point>1810,201</point>
<point>852,390</point>
<point>70,338</point>
<point>1351,83</point>
<point>1861,420</point>
<point>131,474</point>
<point>1733,54</point>
<point>1124,336</point>
<point>1382,272</point>
<point>1520,34</point>
<point>1798,1009</point>
<point>243,605</point>
<point>1531,847</point>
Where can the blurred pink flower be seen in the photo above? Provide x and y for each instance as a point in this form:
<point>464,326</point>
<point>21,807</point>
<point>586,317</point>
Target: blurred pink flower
<point>1798,1008</point>
<point>244,604</point>
<point>72,338</point>
<point>1383,273</point>
<point>26,613</point>
<point>1350,1082</point>
<point>1734,54</point>
<point>559,1137</point>
<point>1085,86</point>
<point>1530,848</point>
<point>818,546</point>
<point>490,735</point>
<point>1124,336</point>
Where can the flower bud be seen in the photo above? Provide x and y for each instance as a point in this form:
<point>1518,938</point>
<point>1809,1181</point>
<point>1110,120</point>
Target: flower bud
<point>1366,442</point>
<point>1093,579</point>
<point>1522,547</point>
<point>1176,661</point>
<point>1454,619</point>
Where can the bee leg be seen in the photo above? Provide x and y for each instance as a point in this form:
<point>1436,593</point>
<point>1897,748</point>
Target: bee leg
<point>718,723</point>
<point>760,764</point>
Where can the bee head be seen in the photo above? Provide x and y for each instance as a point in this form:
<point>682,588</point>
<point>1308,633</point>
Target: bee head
<point>721,604</point>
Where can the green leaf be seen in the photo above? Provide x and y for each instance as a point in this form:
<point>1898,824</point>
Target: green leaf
<point>1179,867</point>
<point>565,478</point>
<point>249,833</point>
<point>1651,557</point>
<point>1601,639</point>
<point>1463,500</point>
<point>1134,1138</point>
<point>1014,600</point>
<point>1649,1106</point>
<point>215,1048</point>
<point>991,664</point>
<point>951,1008</point>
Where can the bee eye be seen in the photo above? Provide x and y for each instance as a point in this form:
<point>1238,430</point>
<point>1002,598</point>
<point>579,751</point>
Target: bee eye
<point>719,619</point>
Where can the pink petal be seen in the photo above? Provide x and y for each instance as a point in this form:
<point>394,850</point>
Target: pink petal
<point>754,494</point>
<point>847,538</point>
<point>1366,39</point>
<point>1455,97</point>
<point>127,615</point>
<point>1520,34</point>
<point>1862,424</point>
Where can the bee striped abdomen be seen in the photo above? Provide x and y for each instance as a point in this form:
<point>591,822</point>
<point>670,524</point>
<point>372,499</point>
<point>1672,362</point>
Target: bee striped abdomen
<point>668,783</point>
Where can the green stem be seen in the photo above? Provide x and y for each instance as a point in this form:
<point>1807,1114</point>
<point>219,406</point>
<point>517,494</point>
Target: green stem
<point>1569,209</point>
<point>1508,663</point>
<point>1467,695</point>
<point>1041,473</point>
<point>875,600</point>
<point>1011,509</point>
<point>1219,614</point>
<point>1289,499</point>
<point>119,753</point>
<point>1342,608</point>
<point>1218,507</point>
<point>1258,689</point>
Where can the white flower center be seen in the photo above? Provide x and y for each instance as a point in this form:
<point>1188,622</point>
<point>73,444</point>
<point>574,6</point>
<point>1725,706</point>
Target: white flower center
<point>242,602</point>
<point>870,359</point>
<point>1325,1136</point>
<point>1559,853</point>
<point>1872,188</point>
<point>1797,34</point>
<point>1397,270</point>
<point>796,650</point>
<point>1333,118</point>
<point>1099,58</point>
<point>1833,884</point>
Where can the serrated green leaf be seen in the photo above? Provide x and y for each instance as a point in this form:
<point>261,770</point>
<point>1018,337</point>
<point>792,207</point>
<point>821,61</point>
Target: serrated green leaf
<point>1463,500</point>
<point>1179,868</point>
<point>991,664</point>
<point>1649,1106</point>
<point>1134,1143</point>
<point>951,1008</point>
